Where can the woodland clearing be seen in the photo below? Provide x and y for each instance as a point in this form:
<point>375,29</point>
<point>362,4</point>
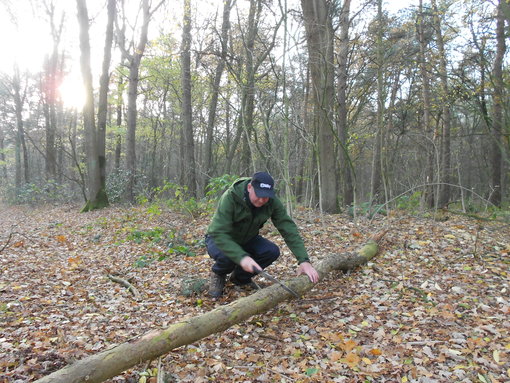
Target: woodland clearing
<point>432,306</point>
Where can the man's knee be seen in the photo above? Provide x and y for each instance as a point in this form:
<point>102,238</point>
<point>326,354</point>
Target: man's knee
<point>274,252</point>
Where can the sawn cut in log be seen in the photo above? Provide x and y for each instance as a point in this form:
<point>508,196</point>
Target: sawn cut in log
<point>109,363</point>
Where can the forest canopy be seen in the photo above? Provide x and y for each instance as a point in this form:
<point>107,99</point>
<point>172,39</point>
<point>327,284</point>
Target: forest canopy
<point>345,104</point>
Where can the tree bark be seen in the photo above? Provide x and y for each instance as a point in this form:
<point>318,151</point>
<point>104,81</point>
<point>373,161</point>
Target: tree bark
<point>497,111</point>
<point>109,363</point>
<point>50,91</point>
<point>215,90</point>
<point>134,59</point>
<point>445,163</point>
<point>319,36</point>
<point>98,198</point>
<point>188,175</point>
<point>3,167</point>
<point>377,156</point>
<point>425,90</point>
<point>21,146</point>
<point>343,131</point>
<point>95,195</point>
<point>102,112</point>
<point>248,89</point>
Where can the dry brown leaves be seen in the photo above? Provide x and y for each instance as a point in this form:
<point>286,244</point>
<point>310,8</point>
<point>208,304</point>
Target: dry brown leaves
<point>433,306</point>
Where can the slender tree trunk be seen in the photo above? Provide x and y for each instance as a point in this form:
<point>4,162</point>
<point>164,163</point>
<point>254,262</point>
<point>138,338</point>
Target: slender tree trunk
<point>248,89</point>
<point>101,199</point>
<point>3,166</point>
<point>50,90</point>
<point>134,59</point>
<point>215,89</point>
<point>319,35</point>
<point>285,167</point>
<point>376,177</point>
<point>498,144</point>
<point>22,167</point>
<point>390,160</point>
<point>429,190</point>
<point>188,157</point>
<point>445,163</point>
<point>93,180</point>
<point>118,123</point>
<point>343,131</point>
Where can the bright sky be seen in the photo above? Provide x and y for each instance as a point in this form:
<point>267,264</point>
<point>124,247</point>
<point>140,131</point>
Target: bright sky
<point>20,42</point>
<point>26,39</point>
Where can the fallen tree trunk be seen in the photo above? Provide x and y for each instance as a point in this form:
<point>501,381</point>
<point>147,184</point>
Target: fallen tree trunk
<point>109,363</point>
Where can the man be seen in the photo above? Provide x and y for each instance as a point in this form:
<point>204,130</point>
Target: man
<point>233,239</point>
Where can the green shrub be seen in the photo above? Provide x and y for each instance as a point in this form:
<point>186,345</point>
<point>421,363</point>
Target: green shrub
<point>43,191</point>
<point>218,185</point>
<point>116,185</point>
<point>367,209</point>
<point>180,199</point>
<point>410,203</point>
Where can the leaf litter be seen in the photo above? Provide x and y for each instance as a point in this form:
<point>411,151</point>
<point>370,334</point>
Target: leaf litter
<point>432,306</point>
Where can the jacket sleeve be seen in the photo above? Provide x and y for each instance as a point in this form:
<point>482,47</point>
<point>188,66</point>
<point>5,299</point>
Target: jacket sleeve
<point>289,231</point>
<point>221,228</point>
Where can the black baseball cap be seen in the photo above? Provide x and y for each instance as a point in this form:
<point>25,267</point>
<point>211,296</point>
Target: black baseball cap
<point>263,184</point>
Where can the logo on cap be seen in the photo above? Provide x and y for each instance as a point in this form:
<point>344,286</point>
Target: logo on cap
<point>265,186</point>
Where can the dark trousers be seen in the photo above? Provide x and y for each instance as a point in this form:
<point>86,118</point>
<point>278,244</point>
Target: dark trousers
<point>263,251</point>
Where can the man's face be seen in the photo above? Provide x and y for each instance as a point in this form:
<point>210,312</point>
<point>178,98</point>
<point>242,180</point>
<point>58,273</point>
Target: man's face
<point>256,201</point>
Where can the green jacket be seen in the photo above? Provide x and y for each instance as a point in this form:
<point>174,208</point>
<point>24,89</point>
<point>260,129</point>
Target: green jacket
<point>234,224</point>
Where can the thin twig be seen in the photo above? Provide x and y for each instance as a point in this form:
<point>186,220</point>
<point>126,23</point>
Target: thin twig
<point>7,243</point>
<point>161,373</point>
<point>126,284</point>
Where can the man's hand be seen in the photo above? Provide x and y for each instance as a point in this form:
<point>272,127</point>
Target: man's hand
<point>249,265</point>
<point>308,269</point>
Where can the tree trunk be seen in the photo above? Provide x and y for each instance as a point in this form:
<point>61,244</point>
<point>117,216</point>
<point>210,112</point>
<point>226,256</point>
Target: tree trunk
<point>22,168</point>
<point>188,175</point>
<point>118,123</point>
<point>248,89</point>
<point>445,162</point>
<point>319,36</point>
<point>497,111</point>
<point>3,164</point>
<point>109,363</point>
<point>429,190</point>
<point>50,91</point>
<point>376,176</point>
<point>343,133</point>
<point>99,198</point>
<point>134,60</point>
<point>215,89</point>
<point>95,194</point>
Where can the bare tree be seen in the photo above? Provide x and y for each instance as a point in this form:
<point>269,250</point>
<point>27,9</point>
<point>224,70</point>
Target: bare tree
<point>377,162</point>
<point>319,35</point>
<point>133,60</point>
<point>342,68</point>
<point>498,145</point>
<point>215,85</point>
<point>95,140</point>
<point>427,126</point>
<point>445,161</point>
<point>22,167</point>
<point>51,82</point>
<point>188,175</point>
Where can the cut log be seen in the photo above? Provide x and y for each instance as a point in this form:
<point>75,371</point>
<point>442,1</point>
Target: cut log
<point>109,363</point>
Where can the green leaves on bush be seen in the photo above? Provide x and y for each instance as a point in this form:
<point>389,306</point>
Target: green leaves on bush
<point>218,185</point>
<point>168,243</point>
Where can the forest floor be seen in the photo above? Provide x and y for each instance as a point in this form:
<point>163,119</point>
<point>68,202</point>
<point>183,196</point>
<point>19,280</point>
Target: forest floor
<point>432,306</point>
